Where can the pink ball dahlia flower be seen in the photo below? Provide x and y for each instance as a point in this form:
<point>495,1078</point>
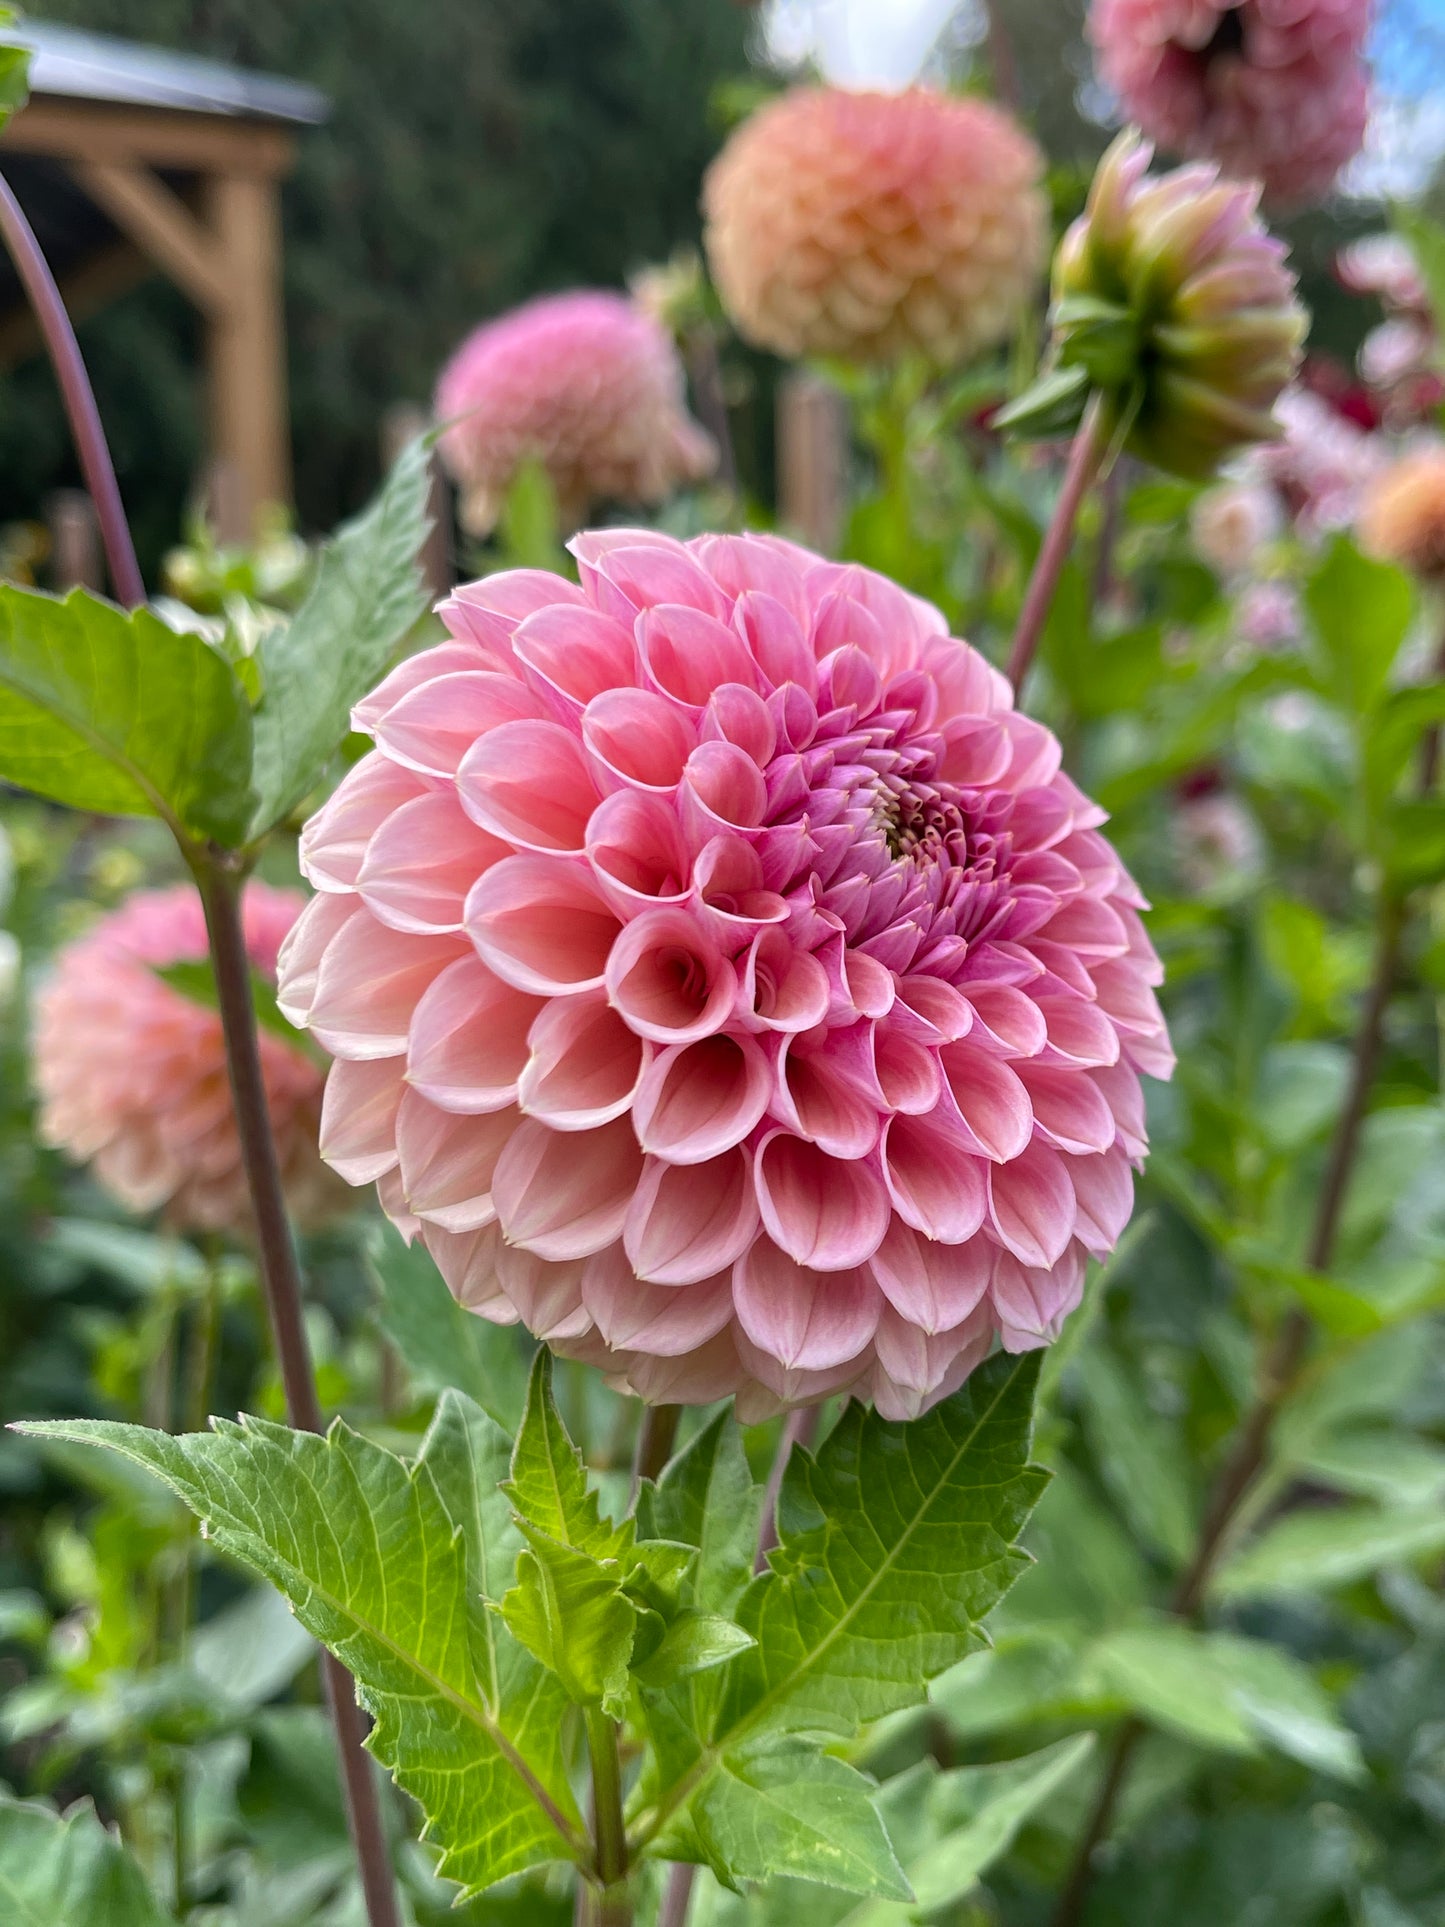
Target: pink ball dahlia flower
<point>132,1072</point>
<point>1275,90</point>
<point>872,225</point>
<point>585,383</point>
<point>726,981</point>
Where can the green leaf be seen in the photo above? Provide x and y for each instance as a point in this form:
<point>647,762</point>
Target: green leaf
<point>1412,842</point>
<point>1052,407</point>
<point>108,710</point>
<point>1140,1455</point>
<point>196,982</point>
<point>1395,731</point>
<point>569,1610</point>
<point>440,1344</point>
<point>14,69</point>
<point>375,1567</point>
<point>69,1873</point>
<point>1361,611</point>
<point>1316,1550</point>
<point>1376,1464</point>
<point>694,1643</point>
<point>549,1485</point>
<point>780,1809</point>
<point>706,1498</point>
<point>367,595</point>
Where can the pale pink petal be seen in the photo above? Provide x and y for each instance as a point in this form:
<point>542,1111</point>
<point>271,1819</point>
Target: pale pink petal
<point>574,654</point>
<point>541,924</point>
<point>783,988</point>
<point>548,1296</point>
<point>584,1065</point>
<point>1069,1111</point>
<point>529,783</point>
<point>1031,1206</point>
<point>669,979</point>
<point>369,982</point>
<point>468,1042</point>
<point>421,863</point>
<point>698,1100</point>
<point>447,1162</point>
<point>432,728</point>
<point>636,736</point>
<point>358,1118</point>
<point>1104,1187</point>
<point>991,1100</point>
<point>334,842</point>
<point>447,659</point>
<point>686,1222</point>
<point>687,654</point>
<point>808,1320</point>
<point>934,1180</point>
<point>825,1212</point>
<point>821,1096</point>
<point>653,1318</point>
<point>637,851</point>
<point>566,1194</point>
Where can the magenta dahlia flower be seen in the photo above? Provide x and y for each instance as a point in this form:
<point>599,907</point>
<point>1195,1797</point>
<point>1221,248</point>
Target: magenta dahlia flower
<point>725,980</point>
<point>1274,90</point>
<point>585,383</point>
<point>131,1070</point>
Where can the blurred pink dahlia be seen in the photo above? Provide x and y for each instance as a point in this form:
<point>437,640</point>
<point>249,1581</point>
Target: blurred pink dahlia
<point>726,981</point>
<point>132,1072</point>
<point>1275,90</point>
<point>870,225</point>
<point>585,383</point>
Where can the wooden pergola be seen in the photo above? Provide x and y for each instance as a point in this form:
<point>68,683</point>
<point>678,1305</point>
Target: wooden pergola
<point>130,160</point>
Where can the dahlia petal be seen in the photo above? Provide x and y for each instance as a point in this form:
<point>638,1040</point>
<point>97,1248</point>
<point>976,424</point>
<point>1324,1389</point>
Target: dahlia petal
<point>1031,1206</point>
<point>467,1260</point>
<point>488,613</point>
<point>823,1093</point>
<point>769,1387</point>
<point>421,863</point>
<point>301,954</point>
<point>1104,1188</point>
<point>808,1320</point>
<point>669,979</point>
<point>565,1195</point>
<point>548,1295</point>
<point>908,1073</point>
<point>783,988</point>
<point>653,1318</point>
<point>435,724</point>
<point>448,1162</point>
<point>744,565</point>
<point>584,1065</point>
<point>991,1101</point>
<point>358,1118</point>
<point>1031,1304</point>
<point>935,1183</point>
<point>915,1366</point>
<point>542,925</point>
<point>1069,1112</point>
<point>528,782</point>
<point>1006,1019</point>
<point>369,982</point>
<point>688,654</point>
<point>635,736</point>
<point>334,842</point>
<point>731,901</point>
<point>447,659</point>
<point>686,1222</point>
<point>934,1286</point>
<point>943,1013</point>
<point>650,573</point>
<point>1079,1033</point>
<point>823,1211</point>
<point>696,1378</point>
<point>723,789</point>
<point>468,1039</point>
<point>1125,1097</point>
<point>698,1100</point>
<point>570,654</point>
<point>773,631</point>
<point>735,713</point>
<point>636,849</point>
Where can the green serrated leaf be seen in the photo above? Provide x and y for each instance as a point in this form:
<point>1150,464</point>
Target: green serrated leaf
<point>440,1344</point>
<point>549,1485</point>
<point>69,1872</point>
<point>783,1809</point>
<point>706,1498</point>
<point>375,1567</point>
<point>569,1610</point>
<point>367,595</point>
<point>109,710</point>
<point>694,1643</point>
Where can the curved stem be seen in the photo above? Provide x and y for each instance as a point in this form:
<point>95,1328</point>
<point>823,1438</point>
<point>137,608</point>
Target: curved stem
<point>799,1428</point>
<point>1277,1380</point>
<point>656,1436</point>
<point>220,888</point>
<point>1086,457</point>
<point>79,397</point>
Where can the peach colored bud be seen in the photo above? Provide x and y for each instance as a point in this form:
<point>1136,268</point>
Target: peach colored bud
<point>873,225</point>
<point>1402,518</point>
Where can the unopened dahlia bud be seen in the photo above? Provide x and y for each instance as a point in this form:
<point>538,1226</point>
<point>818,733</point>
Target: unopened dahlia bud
<point>1273,90</point>
<point>131,1070</point>
<point>726,981</point>
<point>1402,517</point>
<point>1173,303</point>
<point>873,225</point>
<point>586,384</point>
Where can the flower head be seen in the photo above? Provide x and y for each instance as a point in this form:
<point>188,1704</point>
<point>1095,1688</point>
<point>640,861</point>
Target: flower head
<point>1320,463</point>
<point>1402,516</point>
<point>1177,303</point>
<point>132,1071</point>
<point>725,980</point>
<point>584,383</point>
<point>874,225</point>
<point>1273,90</point>
<point>1384,265</point>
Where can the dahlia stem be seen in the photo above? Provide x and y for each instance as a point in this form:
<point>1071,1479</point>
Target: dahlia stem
<point>656,1436</point>
<point>799,1428</point>
<point>220,887</point>
<point>78,395</point>
<point>1277,1380</point>
<point>677,1896</point>
<point>611,1906</point>
<point>1086,457</point>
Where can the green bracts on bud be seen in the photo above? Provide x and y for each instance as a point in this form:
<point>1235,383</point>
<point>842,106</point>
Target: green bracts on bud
<point>1174,304</point>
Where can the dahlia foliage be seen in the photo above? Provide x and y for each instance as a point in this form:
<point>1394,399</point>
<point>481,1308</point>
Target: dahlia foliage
<point>726,981</point>
<point>874,225</point>
<point>587,384</point>
<point>1274,90</point>
<point>131,1070</point>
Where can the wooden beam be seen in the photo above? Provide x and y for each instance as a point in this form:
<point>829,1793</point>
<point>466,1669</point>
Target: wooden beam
<point>96,282</point>
<point>246,348</point>
<point>96,131</point>
<point>160,223</point>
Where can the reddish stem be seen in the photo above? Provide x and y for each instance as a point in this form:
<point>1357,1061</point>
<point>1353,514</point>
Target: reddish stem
<point>79,397</point>
<point>1086,455</point>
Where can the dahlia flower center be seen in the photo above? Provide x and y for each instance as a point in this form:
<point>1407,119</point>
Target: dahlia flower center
<point>923,821</point>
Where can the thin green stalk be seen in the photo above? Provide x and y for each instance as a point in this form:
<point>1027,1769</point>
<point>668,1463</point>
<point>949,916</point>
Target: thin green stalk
<point>611,1904</point>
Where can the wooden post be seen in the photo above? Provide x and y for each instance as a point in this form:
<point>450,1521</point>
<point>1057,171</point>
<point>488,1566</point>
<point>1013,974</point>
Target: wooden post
<point>246,351</point>
<point>402,423</point>
<point>74,541</point>
<point>812,426</point>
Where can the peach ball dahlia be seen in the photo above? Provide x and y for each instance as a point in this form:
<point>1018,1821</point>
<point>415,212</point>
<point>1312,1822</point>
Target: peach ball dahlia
<point>870,225</point>
<point>587,384</point>
<point>726,981</point>
<point>1275,90</point>
<point>132,1072</point>
<point>1402,515</point>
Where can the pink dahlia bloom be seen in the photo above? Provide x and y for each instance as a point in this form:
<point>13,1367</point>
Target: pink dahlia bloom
<point>585,383</point>
<point>132,1072</point>
<point>726,981</point>
<point>1271,89</point>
